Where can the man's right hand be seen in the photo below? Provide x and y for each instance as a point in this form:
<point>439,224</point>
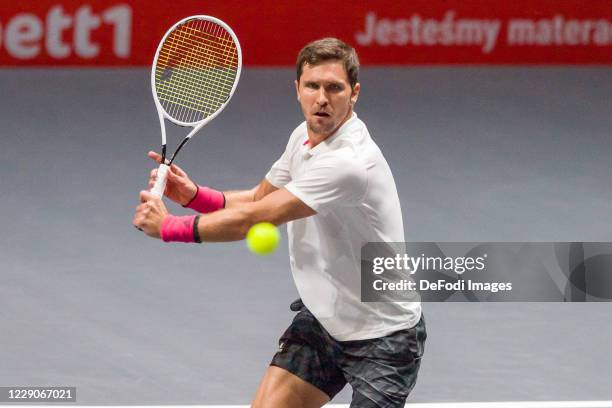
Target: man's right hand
<point>179,187</point>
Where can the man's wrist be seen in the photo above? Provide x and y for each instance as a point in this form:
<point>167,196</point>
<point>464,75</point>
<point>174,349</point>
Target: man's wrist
<point>193,196</point>
<point>180,228</point>
<point>206,200</point>
<point>196,232</point>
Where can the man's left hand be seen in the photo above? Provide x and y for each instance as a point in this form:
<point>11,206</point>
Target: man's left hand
<point>150,214</point>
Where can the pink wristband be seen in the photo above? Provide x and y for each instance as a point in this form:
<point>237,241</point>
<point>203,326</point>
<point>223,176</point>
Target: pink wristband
<point>180,229</point>
<point>206,200</point>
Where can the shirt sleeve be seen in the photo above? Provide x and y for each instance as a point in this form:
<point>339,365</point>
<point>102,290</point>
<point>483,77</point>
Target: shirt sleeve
<point>329,183</point>
<point>279,175</point>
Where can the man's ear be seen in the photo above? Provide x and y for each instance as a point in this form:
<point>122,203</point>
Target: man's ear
<point>297,89</point>
<point>355,93</point>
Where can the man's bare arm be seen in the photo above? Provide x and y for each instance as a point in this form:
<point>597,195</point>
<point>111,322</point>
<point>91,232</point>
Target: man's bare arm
<point>236,198</point>
<point>232,223</point>
<point>181,189</point>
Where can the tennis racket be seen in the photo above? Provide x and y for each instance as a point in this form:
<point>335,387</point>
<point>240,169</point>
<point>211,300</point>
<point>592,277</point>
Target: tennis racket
<point>195,73</point>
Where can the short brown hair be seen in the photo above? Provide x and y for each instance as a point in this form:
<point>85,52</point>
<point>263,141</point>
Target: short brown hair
<point>329,49</point>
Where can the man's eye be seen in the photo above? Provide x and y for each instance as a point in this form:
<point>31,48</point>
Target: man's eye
<point>335,88</point>
<point>312,86</point>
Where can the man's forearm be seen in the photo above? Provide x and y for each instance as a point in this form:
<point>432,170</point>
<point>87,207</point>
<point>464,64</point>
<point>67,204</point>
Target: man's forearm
<point>234,198</point>
<point>230,224</point>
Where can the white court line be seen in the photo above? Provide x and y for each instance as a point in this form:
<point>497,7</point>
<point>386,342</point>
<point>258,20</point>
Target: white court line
<point>493,404</point>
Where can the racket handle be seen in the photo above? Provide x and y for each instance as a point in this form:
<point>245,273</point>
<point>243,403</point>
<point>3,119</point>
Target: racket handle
<point>160,183</point>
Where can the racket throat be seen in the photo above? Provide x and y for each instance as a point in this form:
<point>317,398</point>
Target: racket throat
<point>178,149</point>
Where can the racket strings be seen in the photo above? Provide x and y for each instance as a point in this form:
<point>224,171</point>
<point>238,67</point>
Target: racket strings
<point>186,93</point>
<point>190,58</point>
<point>196,70</point>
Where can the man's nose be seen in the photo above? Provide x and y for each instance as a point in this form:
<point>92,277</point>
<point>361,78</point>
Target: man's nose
<point>322,97</point>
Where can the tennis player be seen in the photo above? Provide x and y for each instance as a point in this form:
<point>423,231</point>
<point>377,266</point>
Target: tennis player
<point>334,189</point>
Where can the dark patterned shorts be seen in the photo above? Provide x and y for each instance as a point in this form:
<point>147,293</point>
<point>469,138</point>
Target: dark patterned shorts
<point>381,371</point>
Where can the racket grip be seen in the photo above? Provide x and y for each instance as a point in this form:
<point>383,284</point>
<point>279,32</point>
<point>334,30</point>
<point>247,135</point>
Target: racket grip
<point>160,183</point>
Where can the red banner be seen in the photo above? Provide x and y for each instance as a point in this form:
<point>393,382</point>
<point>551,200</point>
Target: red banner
<point>385,32</point>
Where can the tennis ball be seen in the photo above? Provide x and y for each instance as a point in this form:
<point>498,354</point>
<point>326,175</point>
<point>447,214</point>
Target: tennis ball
<point>263,238</point>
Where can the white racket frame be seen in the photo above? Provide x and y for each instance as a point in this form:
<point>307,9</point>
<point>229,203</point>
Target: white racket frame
<point>162,172</point>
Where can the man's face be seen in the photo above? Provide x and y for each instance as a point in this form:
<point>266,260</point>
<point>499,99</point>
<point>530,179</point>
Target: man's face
<point>325,96</point>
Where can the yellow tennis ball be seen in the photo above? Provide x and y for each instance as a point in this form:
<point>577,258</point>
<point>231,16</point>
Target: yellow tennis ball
<point>263,238</point>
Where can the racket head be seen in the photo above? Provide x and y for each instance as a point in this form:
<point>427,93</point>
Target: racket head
<point>195,70</point>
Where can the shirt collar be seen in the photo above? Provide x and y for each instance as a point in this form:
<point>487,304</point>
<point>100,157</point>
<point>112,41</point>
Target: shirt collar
<point>325,145</point>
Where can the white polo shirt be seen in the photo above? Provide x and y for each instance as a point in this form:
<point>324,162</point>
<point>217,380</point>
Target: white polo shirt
<point>348,182</point>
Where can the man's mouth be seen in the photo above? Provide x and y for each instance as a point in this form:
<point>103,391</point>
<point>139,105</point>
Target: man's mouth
<point>322,114</point>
